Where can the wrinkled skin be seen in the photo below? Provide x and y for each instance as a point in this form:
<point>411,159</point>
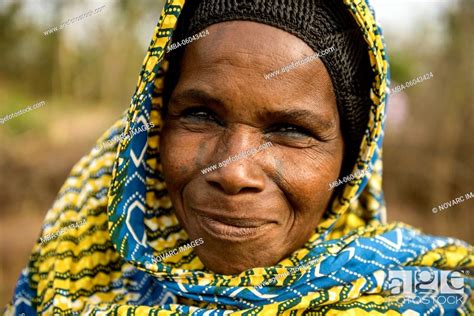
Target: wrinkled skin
<point>257,210</point>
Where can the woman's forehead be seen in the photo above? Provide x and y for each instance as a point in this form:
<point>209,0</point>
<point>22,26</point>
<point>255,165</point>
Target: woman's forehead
<point>250,42</point>
<point>237,56</point>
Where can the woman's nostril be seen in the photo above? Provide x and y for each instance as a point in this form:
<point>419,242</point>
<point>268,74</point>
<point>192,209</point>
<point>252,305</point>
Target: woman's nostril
<point>233,189</point>
<point>215,185</point>
<point>234,183</point>
<point>249,190</point>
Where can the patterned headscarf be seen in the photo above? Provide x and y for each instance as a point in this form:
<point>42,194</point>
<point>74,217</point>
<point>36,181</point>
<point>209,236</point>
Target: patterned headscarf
<point>107,265</point>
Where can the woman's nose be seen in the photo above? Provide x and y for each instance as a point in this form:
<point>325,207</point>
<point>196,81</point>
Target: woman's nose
<point>242,175</point>
<point>239,169</point>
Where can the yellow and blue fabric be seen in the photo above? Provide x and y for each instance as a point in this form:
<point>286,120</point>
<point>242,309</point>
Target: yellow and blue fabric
<point>106,266</point>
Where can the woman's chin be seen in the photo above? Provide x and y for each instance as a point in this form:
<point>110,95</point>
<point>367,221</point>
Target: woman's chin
<point>230,269</point>
<point>233,257</point>
<point>230,266</point>
<point>229,232</point>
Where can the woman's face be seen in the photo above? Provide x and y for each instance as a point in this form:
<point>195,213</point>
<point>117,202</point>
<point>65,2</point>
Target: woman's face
<point>257,210</point>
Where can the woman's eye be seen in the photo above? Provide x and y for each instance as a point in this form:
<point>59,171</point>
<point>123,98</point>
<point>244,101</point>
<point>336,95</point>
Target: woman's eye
<point>292,130</point>
<point>198,114</point>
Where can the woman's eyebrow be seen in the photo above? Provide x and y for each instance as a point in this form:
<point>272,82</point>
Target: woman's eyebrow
<point>297,115</point>
<point>197,95</point>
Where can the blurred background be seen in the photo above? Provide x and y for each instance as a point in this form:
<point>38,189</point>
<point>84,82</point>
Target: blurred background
<point>86,74</point>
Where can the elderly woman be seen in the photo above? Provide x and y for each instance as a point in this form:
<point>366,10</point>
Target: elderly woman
<point>179,221</point>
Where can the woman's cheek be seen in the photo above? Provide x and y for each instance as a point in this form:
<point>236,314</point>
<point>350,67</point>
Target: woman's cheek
<point>181,153</point>
<point>306,171</point>
<point>172,153</point>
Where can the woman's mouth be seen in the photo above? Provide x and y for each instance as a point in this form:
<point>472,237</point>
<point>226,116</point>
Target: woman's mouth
<point>233,228</point>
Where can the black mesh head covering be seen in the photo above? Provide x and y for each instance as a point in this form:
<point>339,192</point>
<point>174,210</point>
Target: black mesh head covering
<point>321,24</point>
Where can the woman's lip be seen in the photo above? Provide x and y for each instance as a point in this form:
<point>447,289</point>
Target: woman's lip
<point>243,222</point>
<point>233,228</point>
